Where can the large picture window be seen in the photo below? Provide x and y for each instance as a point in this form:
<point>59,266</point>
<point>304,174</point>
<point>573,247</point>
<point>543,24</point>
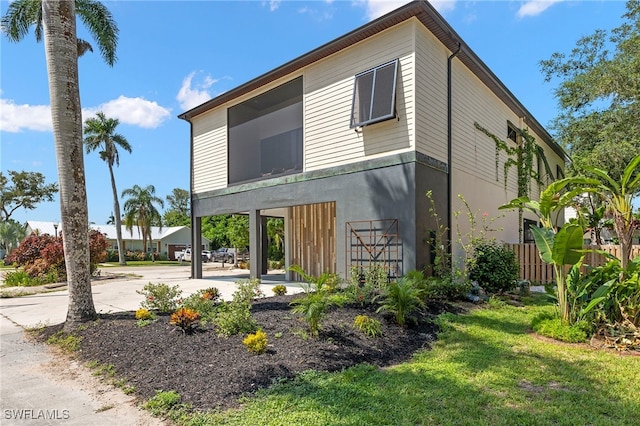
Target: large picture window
<point>265,134</point>
<point>374,95</point>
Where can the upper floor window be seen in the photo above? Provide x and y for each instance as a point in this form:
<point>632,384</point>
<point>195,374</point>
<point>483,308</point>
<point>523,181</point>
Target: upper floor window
<point>265,134</point>
<point>374,95</point>
<point>512,134</point>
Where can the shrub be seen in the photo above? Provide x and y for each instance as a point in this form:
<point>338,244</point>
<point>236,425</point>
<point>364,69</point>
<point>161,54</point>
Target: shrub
<point>402,298</point>
<point>279,290</point>
<point>234,318</point>
<point>256,343</point>
<point>446,288</point>
<point>212,294</point>
<point>366,284</point>
<point>160,297</point>
<point>18,278</point>
<point>202,304</point>
<point>369,326</point>
<point>556,329</point>
<point>494,267</point>
<point>247,290</point>
<point>185,318</point>
<point>143,314</point>
<point>314,306</point>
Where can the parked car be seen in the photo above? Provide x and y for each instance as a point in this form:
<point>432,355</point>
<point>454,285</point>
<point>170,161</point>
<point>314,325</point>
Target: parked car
<point>186,256</point>
<point>209,255</point>
<point>223,254</point>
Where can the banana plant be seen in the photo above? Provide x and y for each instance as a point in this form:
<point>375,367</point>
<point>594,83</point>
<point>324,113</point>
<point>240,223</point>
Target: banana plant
<point>618,198</point>
<point>557,246</point>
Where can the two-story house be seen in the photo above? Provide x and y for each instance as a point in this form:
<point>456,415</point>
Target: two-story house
<point>345,141</point>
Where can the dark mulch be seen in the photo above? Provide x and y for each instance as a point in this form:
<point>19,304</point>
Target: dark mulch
<point>213,372</point>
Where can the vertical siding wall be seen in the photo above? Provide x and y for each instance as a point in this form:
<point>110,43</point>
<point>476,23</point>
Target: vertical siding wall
<point>329,91</point>
<point>312,237</point>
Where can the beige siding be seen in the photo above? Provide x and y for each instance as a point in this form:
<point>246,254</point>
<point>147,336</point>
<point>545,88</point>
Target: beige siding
<point>210,151</point>
<point>328,94</point>
<point>431,95</point>
<point>476,175</point>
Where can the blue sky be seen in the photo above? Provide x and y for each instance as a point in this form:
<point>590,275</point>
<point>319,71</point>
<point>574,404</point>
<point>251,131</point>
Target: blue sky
<point>174,55</point>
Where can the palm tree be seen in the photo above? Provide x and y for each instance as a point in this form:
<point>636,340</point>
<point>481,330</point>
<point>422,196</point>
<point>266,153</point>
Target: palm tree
<point>100,134</point>
<point>139,210</point>
<point>618,198</point>
<point>55,20</point>
<point>11,233</point>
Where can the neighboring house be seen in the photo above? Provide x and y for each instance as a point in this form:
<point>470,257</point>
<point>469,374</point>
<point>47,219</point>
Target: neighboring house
<point>165,241</point>
<point>345,141</point>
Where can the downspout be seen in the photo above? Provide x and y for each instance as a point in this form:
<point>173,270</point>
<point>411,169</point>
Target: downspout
<point>449,148</point>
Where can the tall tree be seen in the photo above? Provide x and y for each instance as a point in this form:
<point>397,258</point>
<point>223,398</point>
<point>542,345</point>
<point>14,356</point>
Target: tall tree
<point>598,95</point>
<point>178,212</point>
<point>140,210</point>
<point>56,21</point>
<point>100,133</point>
<point>26,190</point>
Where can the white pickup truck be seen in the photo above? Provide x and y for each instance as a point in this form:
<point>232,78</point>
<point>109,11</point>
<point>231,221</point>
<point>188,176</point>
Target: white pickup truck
<point>186,256</point>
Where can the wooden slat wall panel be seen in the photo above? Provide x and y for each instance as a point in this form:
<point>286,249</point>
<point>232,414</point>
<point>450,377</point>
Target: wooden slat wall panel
<point>312,237</point>
<point>532,268</point>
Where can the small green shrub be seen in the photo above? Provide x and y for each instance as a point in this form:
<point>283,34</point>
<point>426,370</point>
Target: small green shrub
<point>313,308</point>
<point>185,318</point>
<point>279,290</point>
<point>256,343</point>
<point>18,278</point>
<point>445,288</point>
<point>160,297</point>
<point>234,318</point>
<point>494,267</point>
<point>143,314</point>
<point>402,298</point>
<point>554,328</point>
<point>369,326</point>
<point>203,305</point>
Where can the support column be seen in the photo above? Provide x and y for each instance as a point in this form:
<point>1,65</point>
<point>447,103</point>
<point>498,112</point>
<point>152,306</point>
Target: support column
<point>287,244</point>
<point>255,244</point>
<point>265,245</point>
<point>196,248</point>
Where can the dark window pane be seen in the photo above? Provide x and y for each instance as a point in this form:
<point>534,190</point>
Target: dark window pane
<point>265,134</point>
<point>374,95</point>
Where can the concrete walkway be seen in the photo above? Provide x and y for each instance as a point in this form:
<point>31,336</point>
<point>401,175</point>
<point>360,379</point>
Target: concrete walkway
<point>38,388</point>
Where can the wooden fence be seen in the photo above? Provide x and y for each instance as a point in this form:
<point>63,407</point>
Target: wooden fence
<point>532,268</point>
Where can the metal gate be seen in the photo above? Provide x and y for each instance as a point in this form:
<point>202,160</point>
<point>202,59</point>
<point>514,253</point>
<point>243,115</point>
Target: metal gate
<point>374,243</point>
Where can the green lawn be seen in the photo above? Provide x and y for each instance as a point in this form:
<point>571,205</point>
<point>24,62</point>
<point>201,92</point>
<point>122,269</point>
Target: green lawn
<point>485,369</point>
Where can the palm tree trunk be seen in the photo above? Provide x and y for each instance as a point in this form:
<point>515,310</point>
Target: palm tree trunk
<point>62,65</point>
<point>116,209</point>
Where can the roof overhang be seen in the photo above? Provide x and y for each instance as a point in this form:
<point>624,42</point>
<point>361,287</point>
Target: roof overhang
<point>434,22</point>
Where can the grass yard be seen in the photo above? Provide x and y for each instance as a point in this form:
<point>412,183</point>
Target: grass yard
<point>485,369</point>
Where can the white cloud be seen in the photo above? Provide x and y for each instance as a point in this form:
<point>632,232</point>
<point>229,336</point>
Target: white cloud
<point>273,4</point>
<point>377,8</point>
<point>535,7</point>
<point>16,118</point>
<point>134,111</point>
<point>194,93</point>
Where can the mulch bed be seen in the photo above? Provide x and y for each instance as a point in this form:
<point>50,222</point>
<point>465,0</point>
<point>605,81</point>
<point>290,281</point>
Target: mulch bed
<point>212,372</point>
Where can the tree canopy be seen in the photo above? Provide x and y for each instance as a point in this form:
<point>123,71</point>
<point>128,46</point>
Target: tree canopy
<point>23,190</point>
<point>598,96</point>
